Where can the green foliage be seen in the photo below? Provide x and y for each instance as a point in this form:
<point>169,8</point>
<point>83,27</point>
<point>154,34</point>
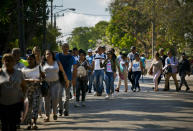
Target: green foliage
<point>173,19</point>
<point>87,37</point>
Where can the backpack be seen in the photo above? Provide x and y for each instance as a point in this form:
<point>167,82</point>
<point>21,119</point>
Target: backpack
<point>81,70</point>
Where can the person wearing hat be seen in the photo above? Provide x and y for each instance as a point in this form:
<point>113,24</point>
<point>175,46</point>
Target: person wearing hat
<point>184,69</point>
<point>89,58</point>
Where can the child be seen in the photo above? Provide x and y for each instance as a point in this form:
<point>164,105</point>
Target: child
<point>82,78</point>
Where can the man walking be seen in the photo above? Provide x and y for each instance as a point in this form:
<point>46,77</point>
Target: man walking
<point>98,72</point>
<point>184,69</point>
<point>171,64</point>
<point>89,58</point>
<point>67,61</point>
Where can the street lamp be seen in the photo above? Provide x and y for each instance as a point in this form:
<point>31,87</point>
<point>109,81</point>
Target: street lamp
<point>71,9</point>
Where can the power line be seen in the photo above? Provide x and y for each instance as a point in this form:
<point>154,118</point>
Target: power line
<point>91,14</point>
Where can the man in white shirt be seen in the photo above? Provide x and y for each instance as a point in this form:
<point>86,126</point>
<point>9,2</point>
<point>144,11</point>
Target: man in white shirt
<point>98,72</point>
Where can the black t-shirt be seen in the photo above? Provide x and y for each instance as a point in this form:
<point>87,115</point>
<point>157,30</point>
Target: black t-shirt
<point>163,58</point>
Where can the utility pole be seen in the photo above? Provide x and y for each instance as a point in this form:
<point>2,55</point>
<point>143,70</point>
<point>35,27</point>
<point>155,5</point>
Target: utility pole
<point>51,13</point>
<point>21,26</point>
<point>153,29</point>
<point>44,46</point>
<point>55,21</point>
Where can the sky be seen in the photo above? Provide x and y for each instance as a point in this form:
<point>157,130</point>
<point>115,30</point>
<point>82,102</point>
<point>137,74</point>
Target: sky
<point>83,16</point>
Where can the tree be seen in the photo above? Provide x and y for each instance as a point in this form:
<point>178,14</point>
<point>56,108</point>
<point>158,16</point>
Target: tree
<point>87,37</point>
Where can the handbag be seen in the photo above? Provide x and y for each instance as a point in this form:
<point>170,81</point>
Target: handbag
<point>44,87</point>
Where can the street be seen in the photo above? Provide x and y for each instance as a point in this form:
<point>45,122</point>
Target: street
<point>142,111</point>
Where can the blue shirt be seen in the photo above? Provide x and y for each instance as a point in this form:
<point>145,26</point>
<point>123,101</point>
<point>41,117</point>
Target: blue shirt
<point>143,61</point>
<point>89,59</point>
<point>174,63</point>
<point>67,61</point>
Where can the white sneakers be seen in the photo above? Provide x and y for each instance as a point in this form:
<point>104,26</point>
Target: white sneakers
<point>95,94</point>
<point>111,96</point>
<point>107,96</point>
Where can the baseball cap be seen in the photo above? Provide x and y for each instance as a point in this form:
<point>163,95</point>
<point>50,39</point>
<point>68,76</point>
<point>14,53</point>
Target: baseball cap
<point>89,50</point>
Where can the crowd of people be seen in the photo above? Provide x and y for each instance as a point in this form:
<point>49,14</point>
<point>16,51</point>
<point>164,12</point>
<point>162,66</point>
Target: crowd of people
<point>21,98</point>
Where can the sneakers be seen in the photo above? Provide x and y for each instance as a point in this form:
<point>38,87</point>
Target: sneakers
<point>73,97</point>
<point>95,94</point>
<point>138,89</point>
<point>83,104</point>
<point>112,96</point>
<point>107,97</point>
<point>77,104</point>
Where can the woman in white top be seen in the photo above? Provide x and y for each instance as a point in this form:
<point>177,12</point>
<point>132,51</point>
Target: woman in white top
<point>32,76</point>
<point>51,68</point>
<point>137,68</point>
<point>156,70</point>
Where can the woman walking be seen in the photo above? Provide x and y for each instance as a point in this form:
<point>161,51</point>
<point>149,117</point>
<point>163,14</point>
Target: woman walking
<point>123,66</point>
<point>156,70</point>
<point>137,68</point>
<point>51,68</point>
<point>82,78</point>
<point>12,88</point>
<point>110,74</point>
<point>32,76</point>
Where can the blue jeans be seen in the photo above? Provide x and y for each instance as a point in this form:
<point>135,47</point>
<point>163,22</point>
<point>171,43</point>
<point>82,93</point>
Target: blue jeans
<point>90,81</point>
<point>98,80</point>
<point>136,77</point>
<point>109,81</point>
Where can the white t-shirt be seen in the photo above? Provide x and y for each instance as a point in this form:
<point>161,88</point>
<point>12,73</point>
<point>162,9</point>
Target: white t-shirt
<point>109,67</point>
<point>51,71</point>
<point>136,66</point>
<point>97,61</point>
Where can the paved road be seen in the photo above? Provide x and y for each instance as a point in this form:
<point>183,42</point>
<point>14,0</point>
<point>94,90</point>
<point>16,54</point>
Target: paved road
<point>141,111</point>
